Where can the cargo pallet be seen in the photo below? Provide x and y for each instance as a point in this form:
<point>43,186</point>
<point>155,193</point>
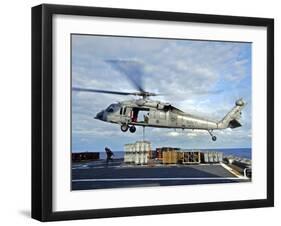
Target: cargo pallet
<point>189,157</point>
<point>169,157</point>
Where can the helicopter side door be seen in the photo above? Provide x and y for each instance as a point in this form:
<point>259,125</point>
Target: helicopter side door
<point>140,115</point>
<point>158,118</point>
<point>125,115</point>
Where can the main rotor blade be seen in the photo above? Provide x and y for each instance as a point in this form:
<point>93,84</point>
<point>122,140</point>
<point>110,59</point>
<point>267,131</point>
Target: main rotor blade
<point>134,71</point>
<point>101,91</point>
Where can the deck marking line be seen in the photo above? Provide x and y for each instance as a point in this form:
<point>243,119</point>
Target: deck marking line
<point>232,171</point>
<point>159,179</point>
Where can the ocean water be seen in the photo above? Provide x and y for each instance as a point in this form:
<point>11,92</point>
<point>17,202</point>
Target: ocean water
<point>238,152</point>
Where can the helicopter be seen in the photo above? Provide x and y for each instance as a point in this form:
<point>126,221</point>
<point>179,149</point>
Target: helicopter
<point>146,112</point>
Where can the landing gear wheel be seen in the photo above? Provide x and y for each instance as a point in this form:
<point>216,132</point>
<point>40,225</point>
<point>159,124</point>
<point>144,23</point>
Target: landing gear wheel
<point>133,129</point>
<point>124,127</point>
<point>214,138</point>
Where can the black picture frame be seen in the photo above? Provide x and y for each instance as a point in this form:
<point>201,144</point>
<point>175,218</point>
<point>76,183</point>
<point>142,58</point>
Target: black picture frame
<point>42,107</point>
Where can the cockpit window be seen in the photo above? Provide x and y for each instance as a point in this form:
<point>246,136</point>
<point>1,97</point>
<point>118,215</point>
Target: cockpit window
<point>111,108</point>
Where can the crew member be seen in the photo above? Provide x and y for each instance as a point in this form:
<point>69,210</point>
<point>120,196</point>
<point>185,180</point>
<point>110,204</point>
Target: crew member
<point>146,118</point>
<point>109,155</point>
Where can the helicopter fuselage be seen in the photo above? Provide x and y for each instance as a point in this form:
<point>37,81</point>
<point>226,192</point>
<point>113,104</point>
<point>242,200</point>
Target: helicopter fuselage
<point>149,113</point>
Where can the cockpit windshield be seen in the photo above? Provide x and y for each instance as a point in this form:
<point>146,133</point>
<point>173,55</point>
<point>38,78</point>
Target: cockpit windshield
<point>112,108</point>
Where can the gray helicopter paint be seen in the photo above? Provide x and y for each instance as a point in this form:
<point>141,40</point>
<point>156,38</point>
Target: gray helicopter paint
<point>172,117</point>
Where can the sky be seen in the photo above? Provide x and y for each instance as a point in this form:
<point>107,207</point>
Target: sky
<point>204,78</point>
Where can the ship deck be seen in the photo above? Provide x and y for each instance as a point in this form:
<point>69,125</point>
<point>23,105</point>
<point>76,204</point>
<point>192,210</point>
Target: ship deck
<point>99,175</point>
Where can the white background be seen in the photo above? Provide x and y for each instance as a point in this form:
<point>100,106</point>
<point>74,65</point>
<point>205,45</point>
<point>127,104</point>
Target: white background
<point>15,85</point>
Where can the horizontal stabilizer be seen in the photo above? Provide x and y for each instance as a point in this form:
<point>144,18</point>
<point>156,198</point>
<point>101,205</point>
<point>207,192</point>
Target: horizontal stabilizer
<point>234,124</point>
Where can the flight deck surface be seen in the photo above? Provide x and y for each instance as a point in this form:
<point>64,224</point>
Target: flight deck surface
<point>99,175</point>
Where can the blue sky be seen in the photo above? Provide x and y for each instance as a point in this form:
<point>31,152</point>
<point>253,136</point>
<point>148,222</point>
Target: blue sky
<point>199,77</point>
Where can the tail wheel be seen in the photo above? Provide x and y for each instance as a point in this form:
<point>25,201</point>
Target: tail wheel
<point>133,129</point>
<point>214,138</point>
<point>124,127</point>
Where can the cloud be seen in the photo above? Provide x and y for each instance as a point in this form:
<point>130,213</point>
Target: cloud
<point>199,77</point>
<point>173,134</point>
